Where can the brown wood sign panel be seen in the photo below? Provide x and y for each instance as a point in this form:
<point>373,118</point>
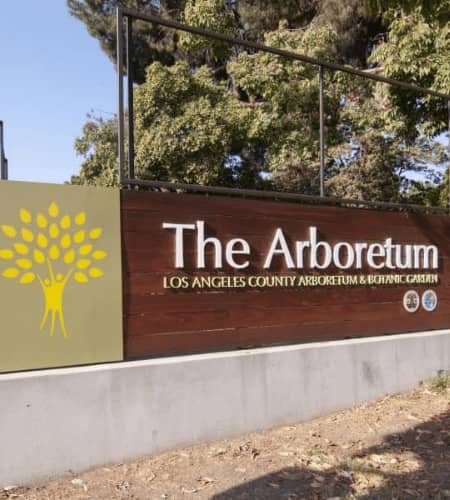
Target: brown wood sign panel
<point>209,273</point>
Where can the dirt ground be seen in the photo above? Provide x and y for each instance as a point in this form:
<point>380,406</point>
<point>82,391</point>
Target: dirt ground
<point>398,447</point>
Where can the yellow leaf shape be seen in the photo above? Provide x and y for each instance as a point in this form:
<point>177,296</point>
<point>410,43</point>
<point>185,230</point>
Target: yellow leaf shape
<point>39,257</point>
<point>27,235</point>
<point>53,231</point>
<point>54,252</point>
<point>69,257</point>
<point>6,254</point>
<point>99,255</point>
<point>66,241</point>
<point>21,248</point>
<point>65,222</point>
<point>11,272</point>
<point>80,219</point>
<point>24,263</point>
<point>80,277</point>
<point>79,236</point>
<point>9,231</point>
<point>94,272</point>
<point>41,221</point>
<point>95,233</point>
<point>27,278</point>
<point>85,249</point>
<point>25,216</point>
<point>83,263</point>
<point>53,210</point>
<point>42,241</point>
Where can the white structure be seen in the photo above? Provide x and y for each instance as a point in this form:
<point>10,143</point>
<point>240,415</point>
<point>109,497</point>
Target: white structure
<point>56,421</point>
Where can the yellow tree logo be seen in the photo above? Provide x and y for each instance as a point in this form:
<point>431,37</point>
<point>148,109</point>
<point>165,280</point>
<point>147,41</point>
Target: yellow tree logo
<point>52,250</point>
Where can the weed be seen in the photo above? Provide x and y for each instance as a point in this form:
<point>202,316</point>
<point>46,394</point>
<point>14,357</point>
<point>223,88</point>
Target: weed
<point>440,383</point>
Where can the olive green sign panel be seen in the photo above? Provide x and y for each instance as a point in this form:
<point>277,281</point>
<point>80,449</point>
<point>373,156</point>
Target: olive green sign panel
<point>60,276</point>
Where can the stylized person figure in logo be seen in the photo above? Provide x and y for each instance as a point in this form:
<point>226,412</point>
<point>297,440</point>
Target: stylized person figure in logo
<point>53,289</point>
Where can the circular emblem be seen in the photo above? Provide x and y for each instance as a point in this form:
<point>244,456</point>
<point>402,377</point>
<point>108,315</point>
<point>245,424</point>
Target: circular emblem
<point>411,301</point>
<point>429,300</point>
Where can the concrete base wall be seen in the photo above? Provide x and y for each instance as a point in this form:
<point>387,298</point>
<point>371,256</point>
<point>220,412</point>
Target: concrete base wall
<point>68,420</point>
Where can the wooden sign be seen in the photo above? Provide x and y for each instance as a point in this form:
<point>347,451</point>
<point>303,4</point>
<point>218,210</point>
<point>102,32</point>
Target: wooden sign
<point>209,273</point>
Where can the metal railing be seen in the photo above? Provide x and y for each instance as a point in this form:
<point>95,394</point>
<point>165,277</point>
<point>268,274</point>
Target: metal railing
<point>124,28</point>
<point>3,159</point>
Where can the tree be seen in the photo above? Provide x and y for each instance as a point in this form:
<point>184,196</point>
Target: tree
<point>260,16</point>
<point>52,249</point>
<point>416,50</point>
<point>213,114</point>
<point>285,96</point>
<point>213,15</point>
<point>98,146</point>
<point>370,175</point>
<point>188,129</point>
<point>151,42</point>
<point>432,10</point>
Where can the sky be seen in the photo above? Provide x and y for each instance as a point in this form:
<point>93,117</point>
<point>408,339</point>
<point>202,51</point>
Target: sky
<point>52,73</point>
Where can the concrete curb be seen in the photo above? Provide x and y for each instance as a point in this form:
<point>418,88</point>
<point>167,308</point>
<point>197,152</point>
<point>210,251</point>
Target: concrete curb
<point>57,421</point>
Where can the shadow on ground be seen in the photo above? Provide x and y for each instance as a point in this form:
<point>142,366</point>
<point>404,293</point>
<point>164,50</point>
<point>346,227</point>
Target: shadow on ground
<point>411,464</point>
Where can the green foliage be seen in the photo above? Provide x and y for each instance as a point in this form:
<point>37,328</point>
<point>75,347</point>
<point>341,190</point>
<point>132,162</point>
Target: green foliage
<point>98,146</point>
<point>354,27</point>
<point>371,175</point>
<point>259,16</point>
<point>210,15</point>
<point>423,193</point>
<point>417,50</point>
<point>285,101</point>
<point>444,196</point>
<point>151,42</point>
<point>434,10</point>
<point>440,383</point>
<point>187,126</point>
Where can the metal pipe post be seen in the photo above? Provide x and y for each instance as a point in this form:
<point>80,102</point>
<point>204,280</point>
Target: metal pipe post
<point>322,133</point>
<point>448,171</point>
<point>3,160</point>
<point>130,97</point>
<point>120,117</point>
